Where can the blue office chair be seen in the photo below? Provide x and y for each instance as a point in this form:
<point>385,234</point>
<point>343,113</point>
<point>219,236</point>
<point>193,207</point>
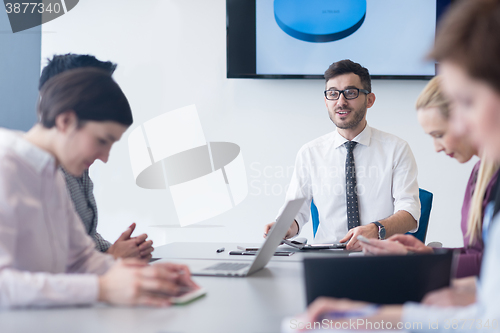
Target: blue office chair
<point>315,217</point>
<point>425,212</point>
<point>423,223</point>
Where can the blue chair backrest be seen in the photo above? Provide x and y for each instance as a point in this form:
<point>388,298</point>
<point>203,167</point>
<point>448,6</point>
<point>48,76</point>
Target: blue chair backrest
<point>315,217</point>
<point>425,212</point>
<point>423,223</point>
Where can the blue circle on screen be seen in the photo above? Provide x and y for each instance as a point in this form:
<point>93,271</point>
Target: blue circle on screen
<point>319,21</point>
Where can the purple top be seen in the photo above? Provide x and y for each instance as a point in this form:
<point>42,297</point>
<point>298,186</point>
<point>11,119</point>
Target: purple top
<point>469,262</point>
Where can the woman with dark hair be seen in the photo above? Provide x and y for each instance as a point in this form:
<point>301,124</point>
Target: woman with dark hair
<point>46,257</point>
<point>468,49</point>
<point>81,188</point>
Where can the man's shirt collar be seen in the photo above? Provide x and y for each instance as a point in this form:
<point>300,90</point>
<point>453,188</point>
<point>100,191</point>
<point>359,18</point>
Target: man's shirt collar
<point>362,138</point>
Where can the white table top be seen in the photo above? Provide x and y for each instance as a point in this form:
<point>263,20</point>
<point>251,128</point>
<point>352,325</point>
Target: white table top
<point>257,303</point>
<point>209,251</point>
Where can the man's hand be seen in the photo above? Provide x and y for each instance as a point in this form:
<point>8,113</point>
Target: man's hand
<point>411,243</point>
<point>292,231</point>
<point>133,282</point>
<point>369,231</point>
<point>132,247</point>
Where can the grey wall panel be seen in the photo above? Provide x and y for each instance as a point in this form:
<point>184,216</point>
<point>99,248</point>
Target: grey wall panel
<point>20,55</point>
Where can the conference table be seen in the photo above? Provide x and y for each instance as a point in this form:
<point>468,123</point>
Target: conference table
<point>257,303</point>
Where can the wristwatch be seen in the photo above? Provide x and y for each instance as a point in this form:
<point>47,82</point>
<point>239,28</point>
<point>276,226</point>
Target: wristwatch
<point>381,230</point>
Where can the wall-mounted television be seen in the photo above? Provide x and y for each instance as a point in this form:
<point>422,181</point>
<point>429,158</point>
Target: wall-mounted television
<point>301,38</point>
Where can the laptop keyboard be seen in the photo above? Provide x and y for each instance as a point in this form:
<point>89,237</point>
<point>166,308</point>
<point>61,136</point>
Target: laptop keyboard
<point>226,266</point>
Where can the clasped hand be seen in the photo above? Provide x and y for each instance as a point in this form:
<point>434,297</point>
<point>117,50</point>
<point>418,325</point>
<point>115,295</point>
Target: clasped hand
<point>132,247</point>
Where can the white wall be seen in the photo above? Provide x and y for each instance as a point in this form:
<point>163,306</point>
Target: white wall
<point>171,53</point>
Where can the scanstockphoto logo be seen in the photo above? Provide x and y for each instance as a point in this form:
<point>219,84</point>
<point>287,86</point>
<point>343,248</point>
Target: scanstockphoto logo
<point>205,178</point>
<point>25,15</point>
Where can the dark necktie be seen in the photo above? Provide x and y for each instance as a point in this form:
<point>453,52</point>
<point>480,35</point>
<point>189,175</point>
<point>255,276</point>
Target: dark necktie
<point>350,187</point>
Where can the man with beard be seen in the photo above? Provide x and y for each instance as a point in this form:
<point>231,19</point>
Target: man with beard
<point>361,180</point>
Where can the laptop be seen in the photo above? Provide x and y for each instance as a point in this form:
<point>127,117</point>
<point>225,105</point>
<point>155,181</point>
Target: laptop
<point>391,279</point>
<point>274,238</point>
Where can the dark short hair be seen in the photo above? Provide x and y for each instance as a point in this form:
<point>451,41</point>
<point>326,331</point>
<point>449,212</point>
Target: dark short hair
<point>468,36</point>
<point>64,62</point>
<point>90,92</point>
<point>347,66</point>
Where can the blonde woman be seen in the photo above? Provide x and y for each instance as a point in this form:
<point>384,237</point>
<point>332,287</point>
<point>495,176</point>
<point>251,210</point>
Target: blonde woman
<point>433,112</point>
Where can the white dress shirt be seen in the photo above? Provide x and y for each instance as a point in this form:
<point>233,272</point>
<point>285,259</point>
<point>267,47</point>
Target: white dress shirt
<point>46,257</point>
<point>386,177</point>
<point>482,316</point>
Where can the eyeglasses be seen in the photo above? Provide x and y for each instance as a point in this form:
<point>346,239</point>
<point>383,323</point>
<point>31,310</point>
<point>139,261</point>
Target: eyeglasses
<point>351,93</point>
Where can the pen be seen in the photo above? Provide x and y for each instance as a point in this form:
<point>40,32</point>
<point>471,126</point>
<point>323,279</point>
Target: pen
<point>220,250</point>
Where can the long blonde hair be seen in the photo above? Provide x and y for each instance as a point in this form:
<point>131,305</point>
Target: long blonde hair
<point>475,219</point>
<point>433,97</point>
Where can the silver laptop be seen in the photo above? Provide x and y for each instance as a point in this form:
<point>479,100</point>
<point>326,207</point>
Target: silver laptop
<point>274,238</point>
